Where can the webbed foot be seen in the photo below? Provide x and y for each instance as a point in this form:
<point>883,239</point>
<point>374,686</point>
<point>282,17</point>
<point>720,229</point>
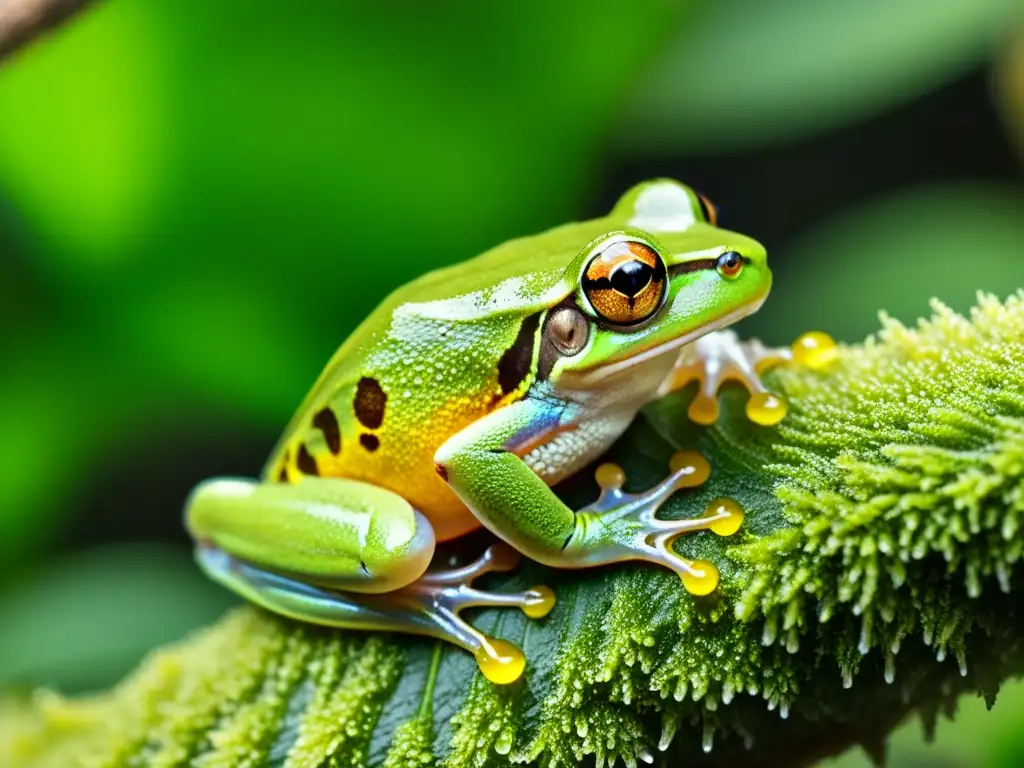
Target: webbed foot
<point>720,357</point>
<point>623,526</point>
<point>443,594</point>
<point>429,606</point>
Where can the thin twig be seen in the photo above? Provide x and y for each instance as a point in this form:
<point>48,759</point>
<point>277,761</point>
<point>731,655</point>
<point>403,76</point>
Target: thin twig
<point>21,21</point>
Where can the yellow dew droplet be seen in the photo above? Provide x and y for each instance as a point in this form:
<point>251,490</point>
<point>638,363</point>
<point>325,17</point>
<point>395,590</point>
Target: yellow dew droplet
<point>703,580</point>
<point>766,409</point>
<point>500,661</point>
<point>699,469</point>
<point>815,349</point>
<point>539,602</point>
<point>727,526</point>
<point>610,476</point>
<point>703,410</point>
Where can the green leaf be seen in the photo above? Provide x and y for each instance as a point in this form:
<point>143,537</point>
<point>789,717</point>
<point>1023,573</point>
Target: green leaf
<point>85,620</point>
<point>944,240</point>
<point>743,75</point>
<point>875,577</point>
<point>81,139</point>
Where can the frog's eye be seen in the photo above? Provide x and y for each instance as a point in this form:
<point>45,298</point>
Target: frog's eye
<point>729,265</point>
<point>708,210</point>
<point>625,283</point>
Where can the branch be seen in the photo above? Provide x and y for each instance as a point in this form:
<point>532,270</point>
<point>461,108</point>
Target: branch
<point>21,21</point>
<point>875,577</point>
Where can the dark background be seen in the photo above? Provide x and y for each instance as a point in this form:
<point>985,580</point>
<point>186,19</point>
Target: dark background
<point>196,208</point>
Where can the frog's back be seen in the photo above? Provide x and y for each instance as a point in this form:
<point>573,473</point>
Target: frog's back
<point>429,361</point>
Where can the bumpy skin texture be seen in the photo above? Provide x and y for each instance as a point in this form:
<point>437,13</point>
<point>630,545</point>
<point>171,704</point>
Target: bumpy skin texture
<point>472,390</point>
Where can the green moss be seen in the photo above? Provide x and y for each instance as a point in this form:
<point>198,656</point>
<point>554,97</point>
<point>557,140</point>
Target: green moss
<point>874,577</point>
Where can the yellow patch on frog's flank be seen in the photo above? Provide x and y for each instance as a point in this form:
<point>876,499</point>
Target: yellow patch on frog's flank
<point>500,661</point>
<point>731,515</point>
<point>766,409</point>
<point>697,468</point>
<point>815,349</point>
<point>702,580</point>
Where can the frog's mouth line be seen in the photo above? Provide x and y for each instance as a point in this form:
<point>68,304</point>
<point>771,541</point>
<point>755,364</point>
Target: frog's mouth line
<point>602,372</point>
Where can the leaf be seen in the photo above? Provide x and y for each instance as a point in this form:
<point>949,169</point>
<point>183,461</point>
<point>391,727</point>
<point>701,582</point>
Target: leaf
<point>87,619</point>
<point>946,240</point>
<point>81,134</point>
<point>742,76</point>
<point>875,577</point>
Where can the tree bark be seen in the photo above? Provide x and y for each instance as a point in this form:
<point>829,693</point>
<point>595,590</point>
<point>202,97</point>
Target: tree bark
<point>21,21</point>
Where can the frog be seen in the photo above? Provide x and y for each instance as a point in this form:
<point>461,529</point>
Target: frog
<point>468,394</point>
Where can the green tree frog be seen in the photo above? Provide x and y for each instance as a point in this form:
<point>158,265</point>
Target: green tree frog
<point>472,390</point>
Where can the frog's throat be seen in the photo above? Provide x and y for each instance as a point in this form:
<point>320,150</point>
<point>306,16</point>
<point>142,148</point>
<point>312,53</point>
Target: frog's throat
<point>598,374</point>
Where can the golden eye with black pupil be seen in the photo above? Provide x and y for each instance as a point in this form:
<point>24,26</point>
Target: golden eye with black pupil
<point>568,330</point>
<point>708,210</point>
<point>729,265</point>
<point>625,283</point>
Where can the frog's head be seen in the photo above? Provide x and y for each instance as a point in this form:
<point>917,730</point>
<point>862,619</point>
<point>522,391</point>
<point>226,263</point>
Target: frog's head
<point>665,277</point>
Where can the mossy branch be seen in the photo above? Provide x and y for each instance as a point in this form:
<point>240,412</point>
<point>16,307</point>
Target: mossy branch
<point>874,577</point>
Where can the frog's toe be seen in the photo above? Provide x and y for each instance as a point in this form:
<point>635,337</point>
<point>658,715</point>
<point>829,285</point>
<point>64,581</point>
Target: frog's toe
<point>815,349</point>
<point>719,358</point>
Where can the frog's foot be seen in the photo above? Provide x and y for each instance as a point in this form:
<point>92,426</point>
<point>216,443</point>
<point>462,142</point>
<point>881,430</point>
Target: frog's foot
<point>721,357</point>
<point>622,526</point>
<point>428,606</point>
<point>441,595</point>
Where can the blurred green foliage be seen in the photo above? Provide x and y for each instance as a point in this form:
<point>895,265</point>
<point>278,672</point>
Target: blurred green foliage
<point>949,241</point>
<point>792,67</point>
<point>199,201</point>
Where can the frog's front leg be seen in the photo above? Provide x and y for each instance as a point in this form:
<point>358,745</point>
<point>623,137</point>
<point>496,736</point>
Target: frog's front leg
<point>348,554</point>
<point>720,357</point>
<point>484,465</point>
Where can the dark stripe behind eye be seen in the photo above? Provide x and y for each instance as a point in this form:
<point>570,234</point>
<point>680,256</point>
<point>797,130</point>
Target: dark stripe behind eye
<point>693,266</point>
<point>514,366</point>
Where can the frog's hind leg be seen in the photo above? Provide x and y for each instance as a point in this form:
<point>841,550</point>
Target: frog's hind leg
<point>720,357</point>
<point>428,606</point>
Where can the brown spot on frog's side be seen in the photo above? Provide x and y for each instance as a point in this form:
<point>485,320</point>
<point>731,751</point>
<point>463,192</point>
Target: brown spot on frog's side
<point>369,442</point>
<point>282,472</point>
<point>369,403</point>
<point>305,462</point>
<point>327,423</point>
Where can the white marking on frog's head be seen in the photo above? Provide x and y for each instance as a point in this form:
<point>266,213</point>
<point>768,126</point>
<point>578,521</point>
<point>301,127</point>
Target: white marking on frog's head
<point>663,207</point>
